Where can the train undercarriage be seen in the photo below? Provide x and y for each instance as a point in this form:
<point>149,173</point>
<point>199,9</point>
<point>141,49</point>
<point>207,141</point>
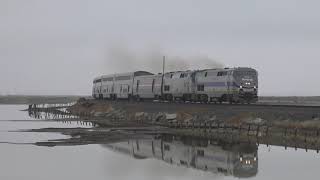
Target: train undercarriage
<point>240,98</point>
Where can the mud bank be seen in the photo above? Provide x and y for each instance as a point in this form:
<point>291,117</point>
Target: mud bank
<point>166,113</point>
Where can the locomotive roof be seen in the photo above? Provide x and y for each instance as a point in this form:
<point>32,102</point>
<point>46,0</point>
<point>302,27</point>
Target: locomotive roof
<point>228,69</point>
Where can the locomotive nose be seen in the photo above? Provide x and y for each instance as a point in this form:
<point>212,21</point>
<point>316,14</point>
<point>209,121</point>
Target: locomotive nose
<point>248,83</point>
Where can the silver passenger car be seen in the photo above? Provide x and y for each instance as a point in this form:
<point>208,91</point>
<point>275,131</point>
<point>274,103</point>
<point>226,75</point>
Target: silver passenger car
<point>116,86</point>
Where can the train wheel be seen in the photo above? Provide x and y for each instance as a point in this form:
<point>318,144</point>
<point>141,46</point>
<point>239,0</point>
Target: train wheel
<point>204,99</point>
<point>130,98</point>
<point>184,98</point>
<point>198,98</point>
<point>221,99</point>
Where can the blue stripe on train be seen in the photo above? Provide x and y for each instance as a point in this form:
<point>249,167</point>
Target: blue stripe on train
<point>220,84</point>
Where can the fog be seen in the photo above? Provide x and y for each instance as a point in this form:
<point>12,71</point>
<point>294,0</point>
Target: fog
<point>58,47</point>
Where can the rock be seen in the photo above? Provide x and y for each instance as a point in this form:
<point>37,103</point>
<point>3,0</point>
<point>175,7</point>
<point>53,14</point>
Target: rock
<point>171,116</point>
<point>98,114</point>
<point>256,121</point>
<point>159,117</point>
<point>213,118</point>
<point>184,117</point>
<point>141,116</point>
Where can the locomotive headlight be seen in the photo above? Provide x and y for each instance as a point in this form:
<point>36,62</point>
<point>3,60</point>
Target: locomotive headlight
<point>240,87</point>
<point>240,159</point>
<point>255,87</point>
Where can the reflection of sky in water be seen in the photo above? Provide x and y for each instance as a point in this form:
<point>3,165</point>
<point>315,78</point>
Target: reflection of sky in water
<point>97,162</point>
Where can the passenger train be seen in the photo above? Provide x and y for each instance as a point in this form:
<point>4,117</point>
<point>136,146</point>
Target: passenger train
<point>233,85</point>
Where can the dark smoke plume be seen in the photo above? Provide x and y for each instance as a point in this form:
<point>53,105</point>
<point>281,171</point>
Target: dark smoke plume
<point>124,59</point>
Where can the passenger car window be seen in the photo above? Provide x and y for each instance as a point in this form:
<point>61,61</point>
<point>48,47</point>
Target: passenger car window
<point>222,73</point>
<point>166,88</point>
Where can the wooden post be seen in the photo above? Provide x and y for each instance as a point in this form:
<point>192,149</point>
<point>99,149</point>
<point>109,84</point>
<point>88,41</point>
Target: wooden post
<point>285,132</point>
<point>258,129</point>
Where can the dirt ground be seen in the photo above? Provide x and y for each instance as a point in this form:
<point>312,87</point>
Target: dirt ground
<point>157,112</point>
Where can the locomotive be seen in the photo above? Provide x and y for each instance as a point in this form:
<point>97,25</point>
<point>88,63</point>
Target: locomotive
<point>233,85</point>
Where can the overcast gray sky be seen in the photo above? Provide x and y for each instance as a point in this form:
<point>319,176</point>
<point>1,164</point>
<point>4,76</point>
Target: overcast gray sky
<point>59,46</point>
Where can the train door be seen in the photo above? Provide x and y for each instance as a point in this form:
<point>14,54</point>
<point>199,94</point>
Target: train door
<point>186,83</point>
<point>229,87</point>
<point>124,90</point>
<point>120,92</point>
<point>152,88</point>
<point>112,91</point>
<point>137,88</point>
<point>193,82</point>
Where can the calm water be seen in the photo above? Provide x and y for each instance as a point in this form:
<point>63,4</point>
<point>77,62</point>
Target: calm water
<point>139,158</point>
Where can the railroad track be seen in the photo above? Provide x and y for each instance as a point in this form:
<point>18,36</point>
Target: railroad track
<point>211,103</point>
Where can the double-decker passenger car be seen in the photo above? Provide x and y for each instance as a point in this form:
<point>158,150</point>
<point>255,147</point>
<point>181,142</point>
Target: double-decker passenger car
<point>116,86</point>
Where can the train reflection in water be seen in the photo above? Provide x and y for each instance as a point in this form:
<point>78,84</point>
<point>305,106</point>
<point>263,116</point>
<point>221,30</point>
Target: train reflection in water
<point>238,160</point>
